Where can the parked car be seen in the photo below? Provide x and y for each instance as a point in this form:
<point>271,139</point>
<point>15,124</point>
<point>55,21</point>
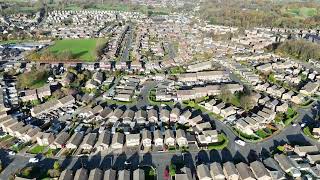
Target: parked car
<point>33,160</point>
<point>240,142</point>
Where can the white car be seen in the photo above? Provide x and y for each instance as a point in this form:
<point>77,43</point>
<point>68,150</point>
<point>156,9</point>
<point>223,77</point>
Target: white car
<point>240,142</point>
<point>33,160</point>
<point>303,125</point>
<point>11,153</point>
<point>294,125</point>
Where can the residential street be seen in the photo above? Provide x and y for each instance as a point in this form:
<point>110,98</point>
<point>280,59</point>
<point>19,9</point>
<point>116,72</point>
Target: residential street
<point>160,160</point>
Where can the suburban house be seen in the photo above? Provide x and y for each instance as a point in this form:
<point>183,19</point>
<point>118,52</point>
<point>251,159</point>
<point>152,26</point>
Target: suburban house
<point>230,171</point>
<point>104,114</point>
<point>45,139</point>
<point>217,108</point>
<point>158,138</point>
<point>81,174</point>
<point>195,120</point>
<point>138,174</point>
<point>103,141</point>
<point>32,134</point>
<point>115,116</point>
<point>60,140</point>
<point>260,172</point>
<point>203,172</point>
<point>132,140</point>
<point>96,174</point>
<point>67,174</point>
<point>152,116</point>
<point>310,88</point>
<point>146,138</point>
<point>174,115</point>
<point>117,141</point>
<point>110,174</point>
<point>184,117</point>
<point>124,175</point>
<point>313,159</point>
<point>127,116</point>
<point>75,140</point>
<point>88,141</point>
<point>228,111</point>
<point>302,151</point>
<point>169,139</point>
<point>244,171</point>
<point>181,138</point>
<point>141,116</point>
<point>208,137</point>
<point>216,171</point>
<point>164,115</point>
<point>285,163</point>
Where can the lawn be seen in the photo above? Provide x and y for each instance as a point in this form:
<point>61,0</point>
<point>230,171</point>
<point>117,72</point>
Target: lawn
<point>37,149</point>
<point>221,144</point>
<point>81,49</point>
<point>262,133</point>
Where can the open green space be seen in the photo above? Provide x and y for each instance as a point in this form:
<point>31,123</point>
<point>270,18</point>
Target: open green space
<point>81,49</point>
<point>32,79</point>
<point>37,149</point>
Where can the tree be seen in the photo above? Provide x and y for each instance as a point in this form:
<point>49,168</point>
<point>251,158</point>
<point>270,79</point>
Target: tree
<point>225,93</point>
<point>246,102</point>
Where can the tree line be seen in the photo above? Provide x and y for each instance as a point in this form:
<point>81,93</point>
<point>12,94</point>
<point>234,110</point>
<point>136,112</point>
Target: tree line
<point>299,49</point>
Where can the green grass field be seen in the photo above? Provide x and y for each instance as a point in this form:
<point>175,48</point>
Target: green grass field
<point>81,49</point>
<point>303,12</point>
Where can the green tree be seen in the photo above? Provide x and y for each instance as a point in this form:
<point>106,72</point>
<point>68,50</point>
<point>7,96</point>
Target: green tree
<point>56,165</point>
<point>172,170</point>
